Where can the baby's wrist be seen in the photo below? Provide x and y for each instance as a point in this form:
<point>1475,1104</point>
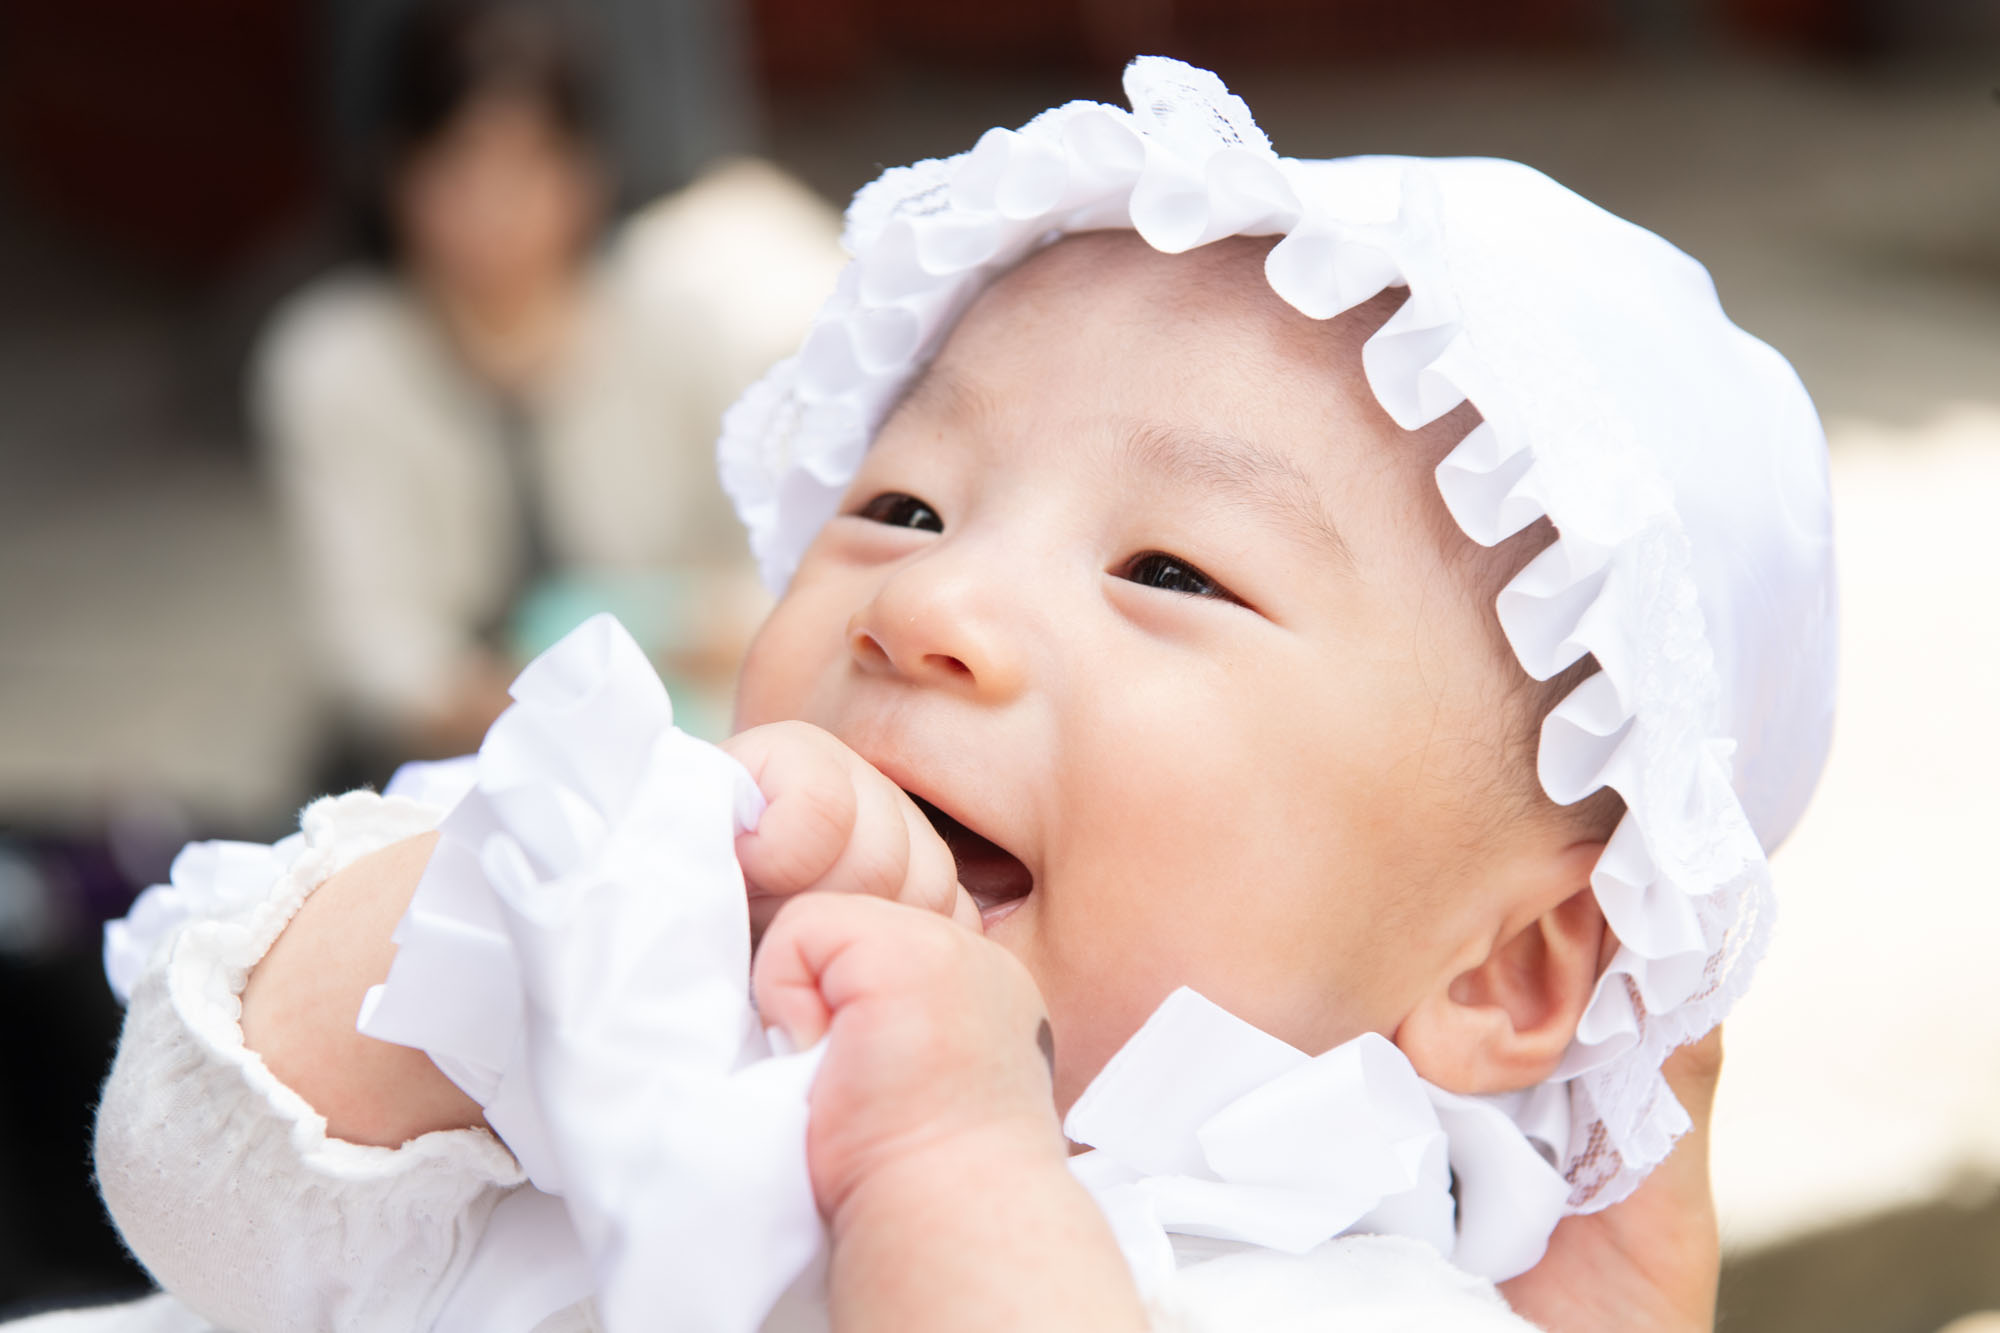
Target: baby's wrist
<point>947,1172</point>
<point>981,1230</point>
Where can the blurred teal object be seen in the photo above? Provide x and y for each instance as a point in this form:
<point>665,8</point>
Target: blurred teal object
<point>653,606</point>
<point>661,608</point>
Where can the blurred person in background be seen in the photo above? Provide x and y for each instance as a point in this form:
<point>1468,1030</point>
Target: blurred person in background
<point>501,420</point>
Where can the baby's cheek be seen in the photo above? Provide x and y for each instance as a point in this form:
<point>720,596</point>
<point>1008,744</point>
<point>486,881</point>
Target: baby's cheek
<point>1259,873</point>
<point>771,685</point>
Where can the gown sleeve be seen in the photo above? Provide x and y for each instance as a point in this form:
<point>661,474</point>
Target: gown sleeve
<point>223,1181</point>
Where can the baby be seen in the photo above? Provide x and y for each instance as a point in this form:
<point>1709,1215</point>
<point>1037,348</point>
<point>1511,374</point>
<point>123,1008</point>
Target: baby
<point>1136,723</point>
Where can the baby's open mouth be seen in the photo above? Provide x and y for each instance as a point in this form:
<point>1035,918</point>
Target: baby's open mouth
<point>992,875</point>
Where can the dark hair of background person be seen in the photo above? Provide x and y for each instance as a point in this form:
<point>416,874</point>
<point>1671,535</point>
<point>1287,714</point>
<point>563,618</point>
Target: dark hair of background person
<point>442,56</point>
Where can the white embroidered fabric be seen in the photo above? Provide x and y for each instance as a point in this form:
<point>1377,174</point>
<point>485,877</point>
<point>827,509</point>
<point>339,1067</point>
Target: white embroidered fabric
<point>1678,459</point>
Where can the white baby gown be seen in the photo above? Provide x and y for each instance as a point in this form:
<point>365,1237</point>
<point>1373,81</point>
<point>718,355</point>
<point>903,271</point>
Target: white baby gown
<point>584,909</point>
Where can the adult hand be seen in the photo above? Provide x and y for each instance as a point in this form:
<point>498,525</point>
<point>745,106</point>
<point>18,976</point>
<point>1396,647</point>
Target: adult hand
<point>1649,1264</point>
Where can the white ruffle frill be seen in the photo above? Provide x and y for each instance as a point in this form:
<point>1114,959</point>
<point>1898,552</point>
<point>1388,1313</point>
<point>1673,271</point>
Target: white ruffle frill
<point>1677,457</point>
<point>577,959</point>
<point>1274,1149</point>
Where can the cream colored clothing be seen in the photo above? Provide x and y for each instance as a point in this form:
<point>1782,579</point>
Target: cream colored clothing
<point>225,1185</point>
<point>224,1182</point>
<point>1360,1284</point>
<point>391,462</point>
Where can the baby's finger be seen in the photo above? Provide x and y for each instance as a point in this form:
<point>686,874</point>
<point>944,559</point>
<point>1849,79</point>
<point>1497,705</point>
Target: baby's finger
<point>809,816</point>
<point>785,981</point>
<point>807,937</point>
<point>932,880</point>
<point>876,861</point>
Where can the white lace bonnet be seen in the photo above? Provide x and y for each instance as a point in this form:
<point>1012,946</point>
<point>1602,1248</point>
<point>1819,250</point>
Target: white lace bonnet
<point>1678,458</point>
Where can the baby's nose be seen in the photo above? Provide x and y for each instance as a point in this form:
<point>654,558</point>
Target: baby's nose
<point>938,622</point>
<point>871,652</point>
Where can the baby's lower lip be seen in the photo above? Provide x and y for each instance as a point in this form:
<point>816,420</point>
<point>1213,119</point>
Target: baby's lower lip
<point>992,914</point>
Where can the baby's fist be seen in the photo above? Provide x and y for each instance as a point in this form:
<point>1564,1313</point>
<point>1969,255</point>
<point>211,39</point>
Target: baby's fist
<point>833,823</point>
<point>938,1044</point>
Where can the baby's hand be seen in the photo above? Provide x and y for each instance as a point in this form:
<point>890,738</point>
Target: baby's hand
<point>833,823</point>
<point>938,1057</point>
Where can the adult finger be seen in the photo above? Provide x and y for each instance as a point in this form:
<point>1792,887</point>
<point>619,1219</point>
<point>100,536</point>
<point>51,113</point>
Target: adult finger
<point>1693,1072</point>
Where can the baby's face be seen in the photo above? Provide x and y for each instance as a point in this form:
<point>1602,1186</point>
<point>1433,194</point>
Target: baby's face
<point>1145,594</point>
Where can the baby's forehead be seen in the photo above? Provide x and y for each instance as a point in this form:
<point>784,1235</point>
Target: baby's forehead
<point>1197,371</point>
<point>1224,278</point>
<point>1113,297</point>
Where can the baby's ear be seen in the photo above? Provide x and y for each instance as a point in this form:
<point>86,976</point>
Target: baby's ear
<point>1505,1022</point>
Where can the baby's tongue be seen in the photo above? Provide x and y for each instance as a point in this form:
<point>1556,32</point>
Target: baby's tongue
<point>989,874</point>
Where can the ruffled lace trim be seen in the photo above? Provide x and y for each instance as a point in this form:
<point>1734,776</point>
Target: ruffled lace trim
<point>207,880</point>
<point>1684,882</point>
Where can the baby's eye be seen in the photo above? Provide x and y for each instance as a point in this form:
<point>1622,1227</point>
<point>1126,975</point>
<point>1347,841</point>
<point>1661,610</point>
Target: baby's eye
<point>902,511</point>
<point>1157,569</point>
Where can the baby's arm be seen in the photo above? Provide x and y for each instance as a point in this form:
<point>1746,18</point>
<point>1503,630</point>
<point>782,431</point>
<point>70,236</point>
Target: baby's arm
<point>222,1180</point>
<point>934,1148</point>
<point>301,1000</point>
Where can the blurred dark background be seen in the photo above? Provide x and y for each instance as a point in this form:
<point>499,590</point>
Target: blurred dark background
<point>167,173</point>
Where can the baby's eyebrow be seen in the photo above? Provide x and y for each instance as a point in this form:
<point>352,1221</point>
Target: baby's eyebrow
<point>1240,472</point>
<point>937,389</point>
